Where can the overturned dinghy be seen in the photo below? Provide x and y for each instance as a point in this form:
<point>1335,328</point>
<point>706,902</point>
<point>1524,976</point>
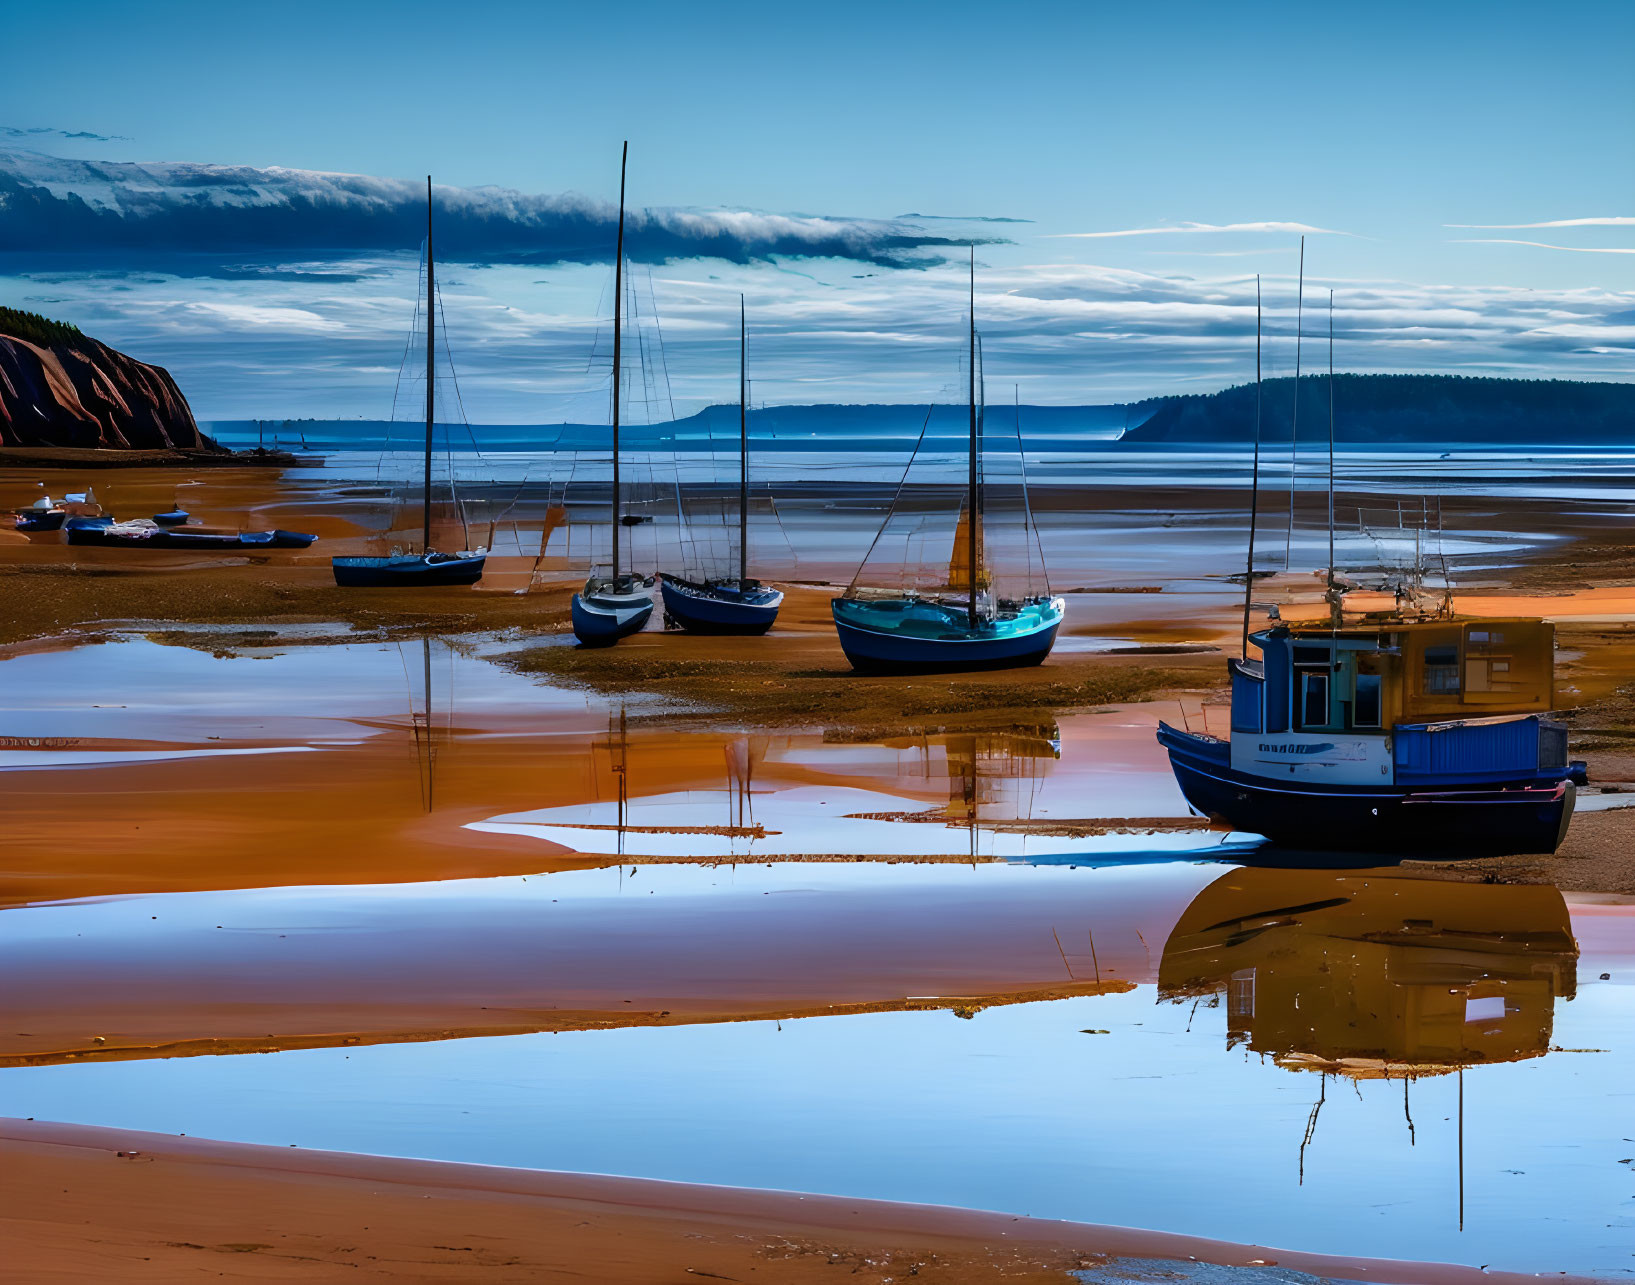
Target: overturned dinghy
<point>609,610</point>
<point>145,534</point>
<point>408,570</point>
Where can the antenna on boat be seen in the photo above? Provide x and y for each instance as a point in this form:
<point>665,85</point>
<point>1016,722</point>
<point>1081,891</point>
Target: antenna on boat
<point>1294,427</point>
<point>1254,484</point>
<point>431,376</point>
<point>743,449</point>
<point>971,500</point>
<point>618,325</point>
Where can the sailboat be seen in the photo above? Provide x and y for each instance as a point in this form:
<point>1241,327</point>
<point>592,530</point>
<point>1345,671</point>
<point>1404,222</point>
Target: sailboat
<point>1394,731</point>
<point>913,633</point>
<point>611,607</point>
<point>427,567</point>
<point>727,606</point>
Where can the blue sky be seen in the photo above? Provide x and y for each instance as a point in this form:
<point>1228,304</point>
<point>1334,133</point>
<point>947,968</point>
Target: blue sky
<point>1386,128</point>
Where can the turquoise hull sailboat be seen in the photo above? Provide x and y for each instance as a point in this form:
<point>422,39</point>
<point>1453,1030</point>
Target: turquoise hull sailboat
<point>951,631</point>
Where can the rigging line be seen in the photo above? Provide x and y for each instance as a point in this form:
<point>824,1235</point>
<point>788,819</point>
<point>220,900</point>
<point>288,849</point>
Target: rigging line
<point>1334,602</point>
<point>1027,509</point>
<point>1294,427</point>
<point>658,329</point>
<point>1254,485</point>
<point>897,494</point>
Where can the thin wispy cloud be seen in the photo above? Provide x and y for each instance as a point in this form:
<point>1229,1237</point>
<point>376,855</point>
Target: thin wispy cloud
<point>1264,226</point>
<point>1611,221</point>
<point>39,132</point>
<point>1545,245</point>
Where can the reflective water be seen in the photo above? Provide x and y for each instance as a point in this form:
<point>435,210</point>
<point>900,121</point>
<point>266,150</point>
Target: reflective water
<point>502,925</point>
<point>1350,1062</point>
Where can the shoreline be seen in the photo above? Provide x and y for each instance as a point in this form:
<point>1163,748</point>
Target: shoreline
<point>175,1206</point>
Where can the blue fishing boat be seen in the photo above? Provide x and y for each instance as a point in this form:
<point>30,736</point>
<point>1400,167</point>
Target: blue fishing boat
<point>966,626</point>
<point>1405,736</point>
<point>42,515</point>
<point>729,606</point>
<point>613,607</point>
<point>1402,731</point>
<point>428,568</point>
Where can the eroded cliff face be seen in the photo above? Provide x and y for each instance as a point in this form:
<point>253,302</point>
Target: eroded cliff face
<point>85,394</point>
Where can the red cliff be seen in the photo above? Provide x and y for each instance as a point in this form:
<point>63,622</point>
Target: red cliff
<point>61,388</point>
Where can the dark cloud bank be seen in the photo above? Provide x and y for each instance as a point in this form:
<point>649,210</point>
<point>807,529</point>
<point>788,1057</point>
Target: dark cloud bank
<point>51,205</point>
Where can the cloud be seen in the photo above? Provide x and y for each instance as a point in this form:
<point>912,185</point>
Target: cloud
<point>1545,245</point>
<point>1612,221</point>
<point>1067,333</point>
<point>43,131</point>
<point>1271,226</point>
<point>190,217</point>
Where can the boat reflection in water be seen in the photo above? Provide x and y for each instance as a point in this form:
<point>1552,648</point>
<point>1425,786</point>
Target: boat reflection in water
<point>1375,975</point>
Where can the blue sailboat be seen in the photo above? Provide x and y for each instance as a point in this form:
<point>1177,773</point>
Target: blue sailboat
<point>729,606</point>
<point>427,568</point>
<point>613,607</point>
<point>911,633</point>
<point>1402,731</point>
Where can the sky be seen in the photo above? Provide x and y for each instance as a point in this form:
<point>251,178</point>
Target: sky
<point>236,193</point>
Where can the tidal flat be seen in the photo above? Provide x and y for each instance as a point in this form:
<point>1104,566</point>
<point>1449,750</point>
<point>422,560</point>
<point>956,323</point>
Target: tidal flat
<point>714,954</point>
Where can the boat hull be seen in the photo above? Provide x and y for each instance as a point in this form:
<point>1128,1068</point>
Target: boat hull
<point>406,572</point>
<point>600,621</point>
<point>881,651</point>
<point>1524,816</point>
<point>719,609</point>
<point>161,538</point>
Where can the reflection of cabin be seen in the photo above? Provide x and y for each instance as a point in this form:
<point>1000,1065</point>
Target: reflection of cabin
<point>1375,975</point>
<point>1423,700</point>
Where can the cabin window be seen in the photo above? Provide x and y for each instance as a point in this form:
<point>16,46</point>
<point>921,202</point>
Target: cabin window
<point>1240,994</point>
<point>1314,700</point>
<point>1486,671</point>
<point>1365,712</point>
<point>1441,671</point>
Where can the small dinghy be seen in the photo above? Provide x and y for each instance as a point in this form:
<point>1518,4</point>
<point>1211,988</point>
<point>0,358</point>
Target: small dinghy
<point>608,610</point>
<point>43,515</point>
<point>410,569</point>
<point>727,606</point>
<point>427,569</point>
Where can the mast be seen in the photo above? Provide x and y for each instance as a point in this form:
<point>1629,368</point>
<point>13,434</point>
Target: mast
<point>971,484</point>
<point>431,376</point>
<point>1254,485</point>
<point>618,369</point>
<point>743,449</point>
<point>1294,430</point>
<point>1333,590</point>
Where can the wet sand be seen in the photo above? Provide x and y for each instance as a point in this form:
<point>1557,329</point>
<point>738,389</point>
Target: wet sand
<point>354,811</point>
<point>172,1208</point>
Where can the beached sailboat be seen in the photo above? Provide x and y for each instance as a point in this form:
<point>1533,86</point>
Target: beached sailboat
<point>1402,730</point>
<point>910,632</point>
<point>727,606</point>
<point>428,567</point>
<point>612,607</point>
